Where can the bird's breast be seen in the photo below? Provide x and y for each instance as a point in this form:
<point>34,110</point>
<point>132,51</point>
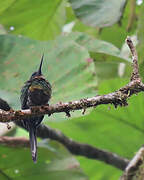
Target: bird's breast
<point>37,96</point>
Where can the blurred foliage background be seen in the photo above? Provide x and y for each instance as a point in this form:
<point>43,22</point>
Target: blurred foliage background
<point>85,55</point>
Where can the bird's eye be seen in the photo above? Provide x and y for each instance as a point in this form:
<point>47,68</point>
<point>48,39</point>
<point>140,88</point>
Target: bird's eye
<point>33,75</point>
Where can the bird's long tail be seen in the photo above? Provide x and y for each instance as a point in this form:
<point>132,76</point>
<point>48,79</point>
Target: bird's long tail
<point>33,142</point>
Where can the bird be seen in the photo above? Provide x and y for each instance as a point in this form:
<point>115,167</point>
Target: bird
<point>35,92</point>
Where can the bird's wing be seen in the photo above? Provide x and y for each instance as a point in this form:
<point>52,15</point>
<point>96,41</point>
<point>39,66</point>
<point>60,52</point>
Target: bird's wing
<point>24,95</point>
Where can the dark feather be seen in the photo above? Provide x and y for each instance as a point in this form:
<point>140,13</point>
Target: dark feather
<point>36,91</point>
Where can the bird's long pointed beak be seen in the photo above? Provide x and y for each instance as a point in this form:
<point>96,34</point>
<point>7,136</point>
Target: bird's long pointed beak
<point>39,70</point>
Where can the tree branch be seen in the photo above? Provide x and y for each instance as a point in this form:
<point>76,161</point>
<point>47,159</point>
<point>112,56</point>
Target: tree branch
<point>134,168</point>
<point>116,98</point>
<point>81,149</point>
<point>135,73</point>
<point>74,147</point>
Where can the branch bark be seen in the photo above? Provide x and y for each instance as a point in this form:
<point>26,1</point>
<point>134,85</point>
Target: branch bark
<point>116,98</point>
<point>135,73</point>
<point>81,149</point>
<point>135,168</point>
<point>74,147</point>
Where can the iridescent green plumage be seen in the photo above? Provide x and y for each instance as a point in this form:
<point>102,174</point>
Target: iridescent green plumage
<point>35,92</point>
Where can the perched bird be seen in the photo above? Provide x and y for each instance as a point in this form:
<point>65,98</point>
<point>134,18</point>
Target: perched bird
<point>35,92</point>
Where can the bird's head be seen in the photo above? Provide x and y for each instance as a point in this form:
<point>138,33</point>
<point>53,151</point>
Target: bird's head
<point>39,72</point>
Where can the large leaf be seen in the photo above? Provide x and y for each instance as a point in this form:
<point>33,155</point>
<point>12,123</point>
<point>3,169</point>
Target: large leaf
<point>117,33</point>
<point>55,162</point>
<point>96,46</point>
<point>5,4</point>
<point>39,19</point>
<point>106,56</point>
<point>117,130</point>
<point>98,13</point>
<point>127,26</point>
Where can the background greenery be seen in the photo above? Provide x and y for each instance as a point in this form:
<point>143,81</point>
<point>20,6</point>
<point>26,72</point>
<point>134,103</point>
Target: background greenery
<point>85,55</point>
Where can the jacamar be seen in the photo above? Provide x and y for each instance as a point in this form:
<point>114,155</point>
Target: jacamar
<point>36,91</point>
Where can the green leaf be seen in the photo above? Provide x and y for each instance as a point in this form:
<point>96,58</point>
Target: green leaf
<point>127,26</point>
<point>41,20</point>
<point>98,13</point>
<point>106,56</point>
<point>54,162</point>
<point>5,5</point>
<point>96,46</point>
<point>117,130</point>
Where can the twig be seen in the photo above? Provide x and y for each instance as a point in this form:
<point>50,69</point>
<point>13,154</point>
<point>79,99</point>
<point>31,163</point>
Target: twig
<point>135,73</point>
<point>133,168</point>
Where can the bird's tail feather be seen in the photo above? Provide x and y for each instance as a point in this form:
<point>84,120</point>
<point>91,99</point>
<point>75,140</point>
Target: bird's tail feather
<point>33,143</point>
